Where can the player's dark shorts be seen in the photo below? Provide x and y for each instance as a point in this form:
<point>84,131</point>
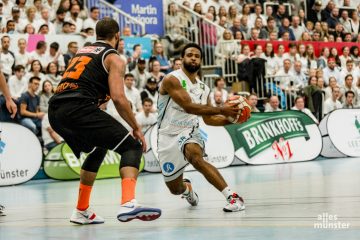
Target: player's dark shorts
<point>84,126</point>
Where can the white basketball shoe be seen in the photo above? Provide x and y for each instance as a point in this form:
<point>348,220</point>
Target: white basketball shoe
<point>87,216</point>
<point>191,197</point>
<point>133,210</point>
<point>235,203</point>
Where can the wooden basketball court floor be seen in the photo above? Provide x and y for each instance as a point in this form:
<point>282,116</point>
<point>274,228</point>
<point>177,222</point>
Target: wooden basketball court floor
<point>308,200</point>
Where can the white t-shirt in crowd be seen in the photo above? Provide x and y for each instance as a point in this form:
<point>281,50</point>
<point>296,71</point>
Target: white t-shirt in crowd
<point>146,121</point>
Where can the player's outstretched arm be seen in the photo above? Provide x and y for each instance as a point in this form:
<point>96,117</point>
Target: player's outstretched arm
<point>215,120</point>
<point>171,86</point>
<point>10,105</point>
<point>116,68</point>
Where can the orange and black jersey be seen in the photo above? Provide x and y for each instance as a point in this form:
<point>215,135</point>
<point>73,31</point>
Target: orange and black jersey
<point>86,75</point>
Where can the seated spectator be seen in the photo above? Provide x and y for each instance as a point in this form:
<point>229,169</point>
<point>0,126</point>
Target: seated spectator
<point>300,106</point>
<point>49,136</point>
<point>281,56</point>
<point>269,56</point>
<point>273,105</point>
<point>176,64</point>
<point>30,19</point>
<point>7,57</point>
<point>328,89</point>
<point>217,99</point>
<point>285,27</point>
<point>296,27</point>
<point>17,83</point>
<point>285,77</point>
<point>55,56</point>
<point>127,32</point>
<point>72,49</point>
<point>91,21</point>
<point>30,114</point>
<point>40,53</point>
<point>350,69</point>
<point>333,20</point>
<point>159,54</point>
<point>323,59</point>
<point>311,58</point>
<point>74,17</point>
<point>146,118</point>
<point>151,91</point>
<point>29,29</point>
<point>354,54</point>
<point>271,26</point>
<point>36,70</point>
<point>46,93</point>
<point>345,56</point>
<point>262,33</point>
<point>59,20</point>
<point>299,75</point>
<point>349,100</point>
<point>315,13</point>
<point>155,70</point>
<point>68,28</point>
<point>136,54</point>
<point>132,93</point>
<point>331,71</point>
<point>44,29</point>
<point>302,57</point>
<point>45,20</point>
<point>172,26</point>
<point>332,103</point>
<point>253,99</point>
<point>140,74</point>
<point>219,84</point>
<point>348,86</point>
<point>52,74</point>
<point>22,57</point>
<point>10,27</point>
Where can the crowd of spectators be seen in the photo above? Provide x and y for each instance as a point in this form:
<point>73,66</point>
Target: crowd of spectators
<point>325,82</point>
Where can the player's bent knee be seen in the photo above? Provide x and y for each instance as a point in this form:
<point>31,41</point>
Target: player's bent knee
<point>131,157</point>
<point>197,161</point>
<point>93,161</point>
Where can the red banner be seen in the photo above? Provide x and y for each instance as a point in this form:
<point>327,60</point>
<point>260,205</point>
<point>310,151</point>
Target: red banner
<point>317,45</point>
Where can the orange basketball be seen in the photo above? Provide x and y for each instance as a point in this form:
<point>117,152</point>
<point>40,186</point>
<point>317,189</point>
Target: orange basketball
<point>245,109</point>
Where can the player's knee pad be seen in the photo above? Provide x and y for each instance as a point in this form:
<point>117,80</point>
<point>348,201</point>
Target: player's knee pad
<point>131,152</point>
<point>93,161</point>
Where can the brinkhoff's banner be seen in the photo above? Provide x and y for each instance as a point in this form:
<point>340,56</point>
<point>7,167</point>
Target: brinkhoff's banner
<point>276,137</point>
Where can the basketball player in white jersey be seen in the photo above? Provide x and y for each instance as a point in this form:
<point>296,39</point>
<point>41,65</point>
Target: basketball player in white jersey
<point>182,98</point>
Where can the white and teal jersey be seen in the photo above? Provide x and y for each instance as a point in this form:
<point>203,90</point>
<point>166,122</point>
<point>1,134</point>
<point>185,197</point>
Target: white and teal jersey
<point>172,118</point>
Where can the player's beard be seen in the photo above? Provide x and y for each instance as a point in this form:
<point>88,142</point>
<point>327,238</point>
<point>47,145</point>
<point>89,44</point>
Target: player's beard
<point>191,68</point>
<point>117,44</point>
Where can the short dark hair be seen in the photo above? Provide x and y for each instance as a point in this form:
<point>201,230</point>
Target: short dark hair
<point>147,100</point>
<point>34,78</point>
<point>55,46</point>
<point>128,75</point>
<point>40,44</point>
<point>93,8</point>
<point>18,68</point>
<point>135,46</point>
<point>106,29</point>
<point>349,92</point>
<point>191,45</point>
<point>9,21</point>
<point>60,10</point>
<point>176,59</point>
<point>218,79</point>
<point>298,97</point>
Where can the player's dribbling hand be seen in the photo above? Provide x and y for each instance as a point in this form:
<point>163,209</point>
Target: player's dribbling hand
<point>140,136</point>
<point>231,110</point>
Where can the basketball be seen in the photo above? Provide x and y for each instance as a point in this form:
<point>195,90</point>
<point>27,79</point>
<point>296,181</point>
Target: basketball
<point>245,109</point>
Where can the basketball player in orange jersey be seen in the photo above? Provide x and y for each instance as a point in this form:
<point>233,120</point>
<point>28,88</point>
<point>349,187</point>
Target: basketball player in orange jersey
<point>94,75</point>
<point>182,98</point>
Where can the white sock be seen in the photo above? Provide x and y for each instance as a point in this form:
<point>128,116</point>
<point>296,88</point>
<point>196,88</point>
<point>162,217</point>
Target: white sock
<point>187,191</point>
<point>227,192</point>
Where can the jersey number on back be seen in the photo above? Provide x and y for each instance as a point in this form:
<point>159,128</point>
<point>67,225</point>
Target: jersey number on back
<point>76,67</point>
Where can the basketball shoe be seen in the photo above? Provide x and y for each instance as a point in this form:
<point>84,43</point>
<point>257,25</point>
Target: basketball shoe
<point>235,203</point>
<point>191,197</point>
<point>87,216</point>
<point>133,210</point>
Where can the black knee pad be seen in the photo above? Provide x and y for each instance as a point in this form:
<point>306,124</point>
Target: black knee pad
<point>131,152</point>
<point>93,161</point>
